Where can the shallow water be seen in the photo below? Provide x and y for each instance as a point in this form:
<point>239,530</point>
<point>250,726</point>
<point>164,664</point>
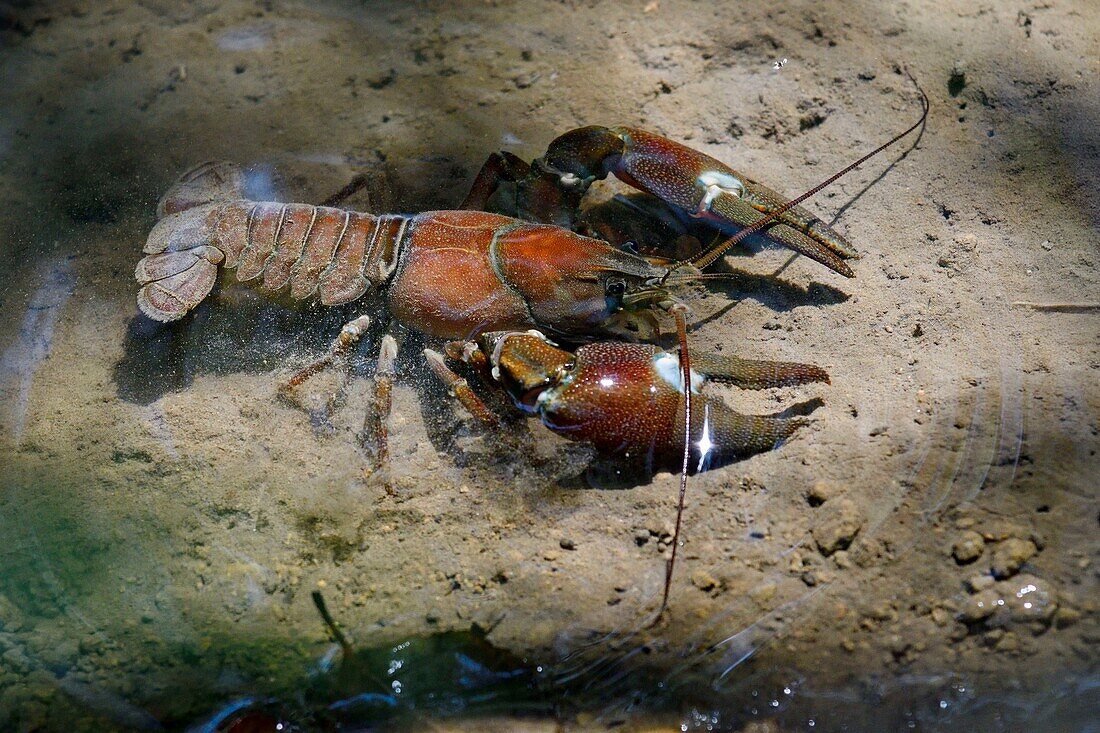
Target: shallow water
<point>921,556</point>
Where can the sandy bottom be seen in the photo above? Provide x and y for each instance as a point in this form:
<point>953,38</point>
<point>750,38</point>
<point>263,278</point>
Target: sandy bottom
<point>925,552</point>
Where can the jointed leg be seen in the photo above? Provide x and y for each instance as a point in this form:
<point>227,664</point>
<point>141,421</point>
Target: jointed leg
<point>375,437</point>
<point>499,168</point>
<point>357,183</point>
<point>349,336</point>
<point>460,388</point>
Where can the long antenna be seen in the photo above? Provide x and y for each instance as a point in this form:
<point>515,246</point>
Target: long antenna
<point>708,257</point>
<point>702,262</point>
<point>685,369</point>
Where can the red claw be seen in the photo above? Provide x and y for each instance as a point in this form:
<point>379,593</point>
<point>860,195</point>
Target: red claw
<point>688,180</point>
<point>627,399</point>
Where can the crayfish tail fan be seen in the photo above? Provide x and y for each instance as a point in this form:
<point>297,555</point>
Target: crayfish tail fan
<point>173,283</point>
<point>181,263</point>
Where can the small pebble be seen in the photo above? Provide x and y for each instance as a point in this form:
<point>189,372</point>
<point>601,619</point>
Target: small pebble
<point>979,583</point>
<point>763,593</point>
<point>1047,245</point>
<point>840,524</point>
<point>1066,616</point>
<point>567,544</point>
<point>968,548</point>
<point>523,81</point>
<point>1010,555</point>
<point>967,242</point>
<point>980,606</point>
<point>1029,598</point>
<point>821,492</point>
<point>1008,643</point>
<point>703,580</point>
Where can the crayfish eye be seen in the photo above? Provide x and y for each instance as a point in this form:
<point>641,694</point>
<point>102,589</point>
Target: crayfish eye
<point>615,288</point>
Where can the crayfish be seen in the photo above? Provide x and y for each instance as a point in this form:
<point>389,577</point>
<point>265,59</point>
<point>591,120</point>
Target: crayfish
<point>499,288</point>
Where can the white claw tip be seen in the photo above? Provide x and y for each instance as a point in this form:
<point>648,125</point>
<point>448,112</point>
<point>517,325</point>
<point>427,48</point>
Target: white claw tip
<point>714,184</point>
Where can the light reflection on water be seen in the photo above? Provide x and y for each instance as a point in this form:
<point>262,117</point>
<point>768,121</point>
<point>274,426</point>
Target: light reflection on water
<point>19,362</point>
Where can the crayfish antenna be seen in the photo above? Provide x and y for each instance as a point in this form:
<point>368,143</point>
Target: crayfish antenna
<point>685,368</point>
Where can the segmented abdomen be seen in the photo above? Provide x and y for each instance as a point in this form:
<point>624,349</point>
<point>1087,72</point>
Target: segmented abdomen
<point>316,250</point>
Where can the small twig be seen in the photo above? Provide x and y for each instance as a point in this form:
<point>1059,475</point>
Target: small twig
<point>1060,307</point>
<point>360,181</point>
<point>345,645</point>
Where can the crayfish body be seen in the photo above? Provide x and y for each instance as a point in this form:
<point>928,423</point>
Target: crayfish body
<point>450,274</point>
<point>468,274</point>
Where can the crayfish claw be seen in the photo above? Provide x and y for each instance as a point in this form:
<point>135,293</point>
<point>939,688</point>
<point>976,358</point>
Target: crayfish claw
<point>765,200</point>
<point>704,187</point>
<point>805,239</point>
<point>732,436</point>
